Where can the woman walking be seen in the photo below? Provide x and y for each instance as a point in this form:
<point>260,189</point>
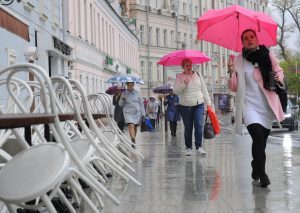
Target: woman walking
<point>133,109</point>
<point>193,94</point>
<point>172,102</point>
<point>253,74</point>
<point>118,112</point>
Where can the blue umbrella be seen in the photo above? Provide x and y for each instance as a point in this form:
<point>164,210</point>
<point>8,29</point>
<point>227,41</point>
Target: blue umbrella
<point>125,79</point>
<point>164,89</point>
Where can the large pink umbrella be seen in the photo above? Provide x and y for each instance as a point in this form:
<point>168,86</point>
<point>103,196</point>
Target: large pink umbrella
<point>224,27</point>
<point>175,58</point>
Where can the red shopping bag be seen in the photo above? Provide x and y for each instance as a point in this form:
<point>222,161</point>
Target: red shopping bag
<point>214,120</point>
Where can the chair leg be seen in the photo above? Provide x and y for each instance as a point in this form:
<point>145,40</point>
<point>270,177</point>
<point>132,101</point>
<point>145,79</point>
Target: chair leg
<point>48,204</point>
<point>66,201</point>
<point>83,195</point>
<point>10,208</point>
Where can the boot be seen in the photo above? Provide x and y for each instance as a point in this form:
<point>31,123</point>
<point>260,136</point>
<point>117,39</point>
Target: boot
<point>172,128</point>
<point>255,173</point>
<point>175,128</point>
<point>133,141</point>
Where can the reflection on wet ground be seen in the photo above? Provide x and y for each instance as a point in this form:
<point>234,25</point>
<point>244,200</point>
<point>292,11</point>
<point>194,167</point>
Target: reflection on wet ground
<point>220,182</point>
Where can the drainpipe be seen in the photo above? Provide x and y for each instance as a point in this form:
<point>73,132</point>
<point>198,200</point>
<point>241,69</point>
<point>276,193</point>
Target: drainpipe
<point>148,48</point>
<point>192,23</point>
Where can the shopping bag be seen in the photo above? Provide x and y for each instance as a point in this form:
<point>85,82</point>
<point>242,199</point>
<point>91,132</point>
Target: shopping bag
<point>214,120</point>
<point>148,123</point>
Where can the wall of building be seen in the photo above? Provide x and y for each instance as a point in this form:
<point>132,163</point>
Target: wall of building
<point>103,44</point>
<point>173,22</point>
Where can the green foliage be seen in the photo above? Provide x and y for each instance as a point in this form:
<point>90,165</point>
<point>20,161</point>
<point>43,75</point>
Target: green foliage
<point>292,78</point>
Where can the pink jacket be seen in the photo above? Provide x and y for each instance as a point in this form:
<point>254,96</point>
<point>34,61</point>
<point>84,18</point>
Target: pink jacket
<point>236,83</point>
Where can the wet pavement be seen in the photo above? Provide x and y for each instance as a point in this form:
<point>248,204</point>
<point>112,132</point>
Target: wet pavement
<point>220,182</point>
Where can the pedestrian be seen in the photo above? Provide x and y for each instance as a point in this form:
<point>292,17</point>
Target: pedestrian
<point>133,109</point>
<point>256,101</point>
<point>118,112</point>
<point>193,94</point>
<point>172,102</point>
<point>158,112</point>
<point>151,110</point>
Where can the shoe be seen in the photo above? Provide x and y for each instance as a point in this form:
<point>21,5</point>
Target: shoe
<point>133,146</point>
<point>200,151</point>
<point>264,181</point>
<point>254,174</point>
<point>188,152</point>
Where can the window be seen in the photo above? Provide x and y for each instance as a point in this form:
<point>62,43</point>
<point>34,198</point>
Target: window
<point>142,68</point>
<point>91,23</point>
<point>79,17</point>
<point>157,37</point>
<point>179,37</point>
<point>165,38</point>
<point>142,33</point>
<point>184,8</point>
<point>158,73</point>
<point>172,38</point>
<point>150,36</point>
<point>85,21</point>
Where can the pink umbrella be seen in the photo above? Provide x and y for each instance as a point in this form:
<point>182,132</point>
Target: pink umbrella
<point>224,27</point>
<point>175,58</point>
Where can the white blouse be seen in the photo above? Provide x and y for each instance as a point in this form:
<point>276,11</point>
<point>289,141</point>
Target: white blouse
<point>256,108</point>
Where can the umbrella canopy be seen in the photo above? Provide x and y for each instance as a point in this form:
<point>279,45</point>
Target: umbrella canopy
<point>175,58</point>
<point>125,79</point>
<point>225,26</point>
<point>164,89</point>
<point>112,90</point>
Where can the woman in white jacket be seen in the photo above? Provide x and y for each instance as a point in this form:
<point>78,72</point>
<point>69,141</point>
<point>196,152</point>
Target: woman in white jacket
<point>193,94</point>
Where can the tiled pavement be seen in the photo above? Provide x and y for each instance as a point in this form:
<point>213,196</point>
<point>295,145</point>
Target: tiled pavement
<point>217,183</point>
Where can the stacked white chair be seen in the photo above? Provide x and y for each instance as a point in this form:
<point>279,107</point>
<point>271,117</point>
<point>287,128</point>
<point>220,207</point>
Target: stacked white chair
<point>101,103</point>
<point>107,155</point>
<point>38,171</point>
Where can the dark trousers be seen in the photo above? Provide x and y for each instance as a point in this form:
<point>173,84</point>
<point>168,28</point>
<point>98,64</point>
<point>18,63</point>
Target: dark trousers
<point>173,127</point>
<point>121,125</point>
<point>259,135</point>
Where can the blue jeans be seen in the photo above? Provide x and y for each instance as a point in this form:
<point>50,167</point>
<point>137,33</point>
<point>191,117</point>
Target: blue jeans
<point>192,117</point>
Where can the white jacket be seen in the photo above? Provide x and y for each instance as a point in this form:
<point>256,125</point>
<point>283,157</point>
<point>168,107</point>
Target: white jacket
<point>194,93</point>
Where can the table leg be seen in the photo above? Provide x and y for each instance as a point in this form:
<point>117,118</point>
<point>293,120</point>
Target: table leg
<point>28,134</point>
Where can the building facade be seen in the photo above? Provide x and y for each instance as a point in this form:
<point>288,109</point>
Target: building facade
<point>164,26</point>
<point>104,46</point>
<point>31,31</point>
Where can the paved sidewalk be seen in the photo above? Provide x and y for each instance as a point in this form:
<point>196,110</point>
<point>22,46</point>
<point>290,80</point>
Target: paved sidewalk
<point>220,182</point>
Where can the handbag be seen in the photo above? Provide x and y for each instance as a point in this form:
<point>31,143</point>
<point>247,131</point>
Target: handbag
<point>214,120</point>
<point>208,132</point>
<point>144,126</point>
<point>282,94</point>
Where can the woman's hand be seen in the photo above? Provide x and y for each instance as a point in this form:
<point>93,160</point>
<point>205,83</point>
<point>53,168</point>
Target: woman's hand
<point>277,79</point>
<point>230,65</point>
<point>186,81</point>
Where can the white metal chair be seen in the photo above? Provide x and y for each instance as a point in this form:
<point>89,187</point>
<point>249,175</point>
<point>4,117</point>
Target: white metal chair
<point>47,99</point>
<point>106,155</point>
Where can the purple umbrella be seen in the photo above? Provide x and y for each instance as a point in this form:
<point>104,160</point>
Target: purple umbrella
<point>112,90</point>
<point>164,89</point>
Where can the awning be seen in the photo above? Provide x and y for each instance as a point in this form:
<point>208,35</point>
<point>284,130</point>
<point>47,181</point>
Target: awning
<point>13,25</point>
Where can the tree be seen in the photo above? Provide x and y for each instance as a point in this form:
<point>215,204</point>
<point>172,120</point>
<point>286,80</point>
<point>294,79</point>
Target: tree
<point>292,78</point>
<point>282,6</point>
<point>294,11</point>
